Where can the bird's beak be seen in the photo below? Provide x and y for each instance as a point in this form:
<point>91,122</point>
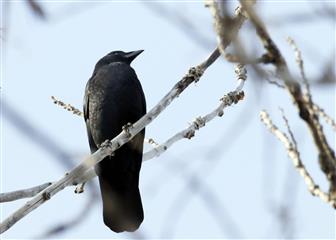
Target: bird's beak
<point>132,55</point>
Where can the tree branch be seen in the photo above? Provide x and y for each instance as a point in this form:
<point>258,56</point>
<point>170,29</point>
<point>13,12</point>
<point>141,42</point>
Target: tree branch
<point>83,170</point>
<point>225,26</point>
<point>67,106</point>
<point>199,122</point>
<point>158,149</point>
<point>294,155</point>
<point>329,120</point>
<point>326,154</point>
<point>109,146</point>
<point>24,193</point>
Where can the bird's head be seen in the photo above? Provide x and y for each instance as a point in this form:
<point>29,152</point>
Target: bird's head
<point>118,56</point>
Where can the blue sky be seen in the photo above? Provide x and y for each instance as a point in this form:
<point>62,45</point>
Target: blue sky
<point>239,163</point>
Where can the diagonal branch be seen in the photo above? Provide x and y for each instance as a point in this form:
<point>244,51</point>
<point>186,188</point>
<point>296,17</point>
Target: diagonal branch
<point>226,101</point>
<point>79,173</point>
<point>326,154</point>
<point>189,132</point>
<point>109,146</point>
<point>294,155</point>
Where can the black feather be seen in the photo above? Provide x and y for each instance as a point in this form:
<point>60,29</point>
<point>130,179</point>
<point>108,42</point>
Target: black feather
<point>114,98</point>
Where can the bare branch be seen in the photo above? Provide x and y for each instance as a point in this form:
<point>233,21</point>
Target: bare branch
<point>326,154</point>
<point>241,73</point>
<point>199,122</point>
<point>299,61</point>
<point>108,147</point>
<point>289,129</point>
<point>189,132</point>
<point>24,193</point>
<point>294,155</point>
<point>225,26</point>
<point>329,120</point>
<point>158,149</point>
<point>273,82</point>
<point>235,59</point>
<point>67,106</point>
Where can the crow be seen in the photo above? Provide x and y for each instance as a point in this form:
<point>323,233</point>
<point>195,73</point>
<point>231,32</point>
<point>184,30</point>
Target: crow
<point>114,98</point>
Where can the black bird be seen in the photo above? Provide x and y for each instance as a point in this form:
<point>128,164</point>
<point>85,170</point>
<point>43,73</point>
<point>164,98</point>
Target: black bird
<point>113,98</point>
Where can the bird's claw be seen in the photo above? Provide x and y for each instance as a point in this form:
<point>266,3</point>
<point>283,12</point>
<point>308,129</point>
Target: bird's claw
<point>80,188</point>
<point>126,128</point>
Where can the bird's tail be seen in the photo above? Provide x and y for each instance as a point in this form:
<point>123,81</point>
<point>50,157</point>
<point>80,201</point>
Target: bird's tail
<point>122,206</point>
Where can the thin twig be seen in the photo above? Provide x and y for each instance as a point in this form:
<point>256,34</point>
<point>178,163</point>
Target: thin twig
<point>299,61</point>
<point>292,138</point>
<point>274,82</point>
<point>67,106</point>
<point>294,155</point>
<point>329,120</point>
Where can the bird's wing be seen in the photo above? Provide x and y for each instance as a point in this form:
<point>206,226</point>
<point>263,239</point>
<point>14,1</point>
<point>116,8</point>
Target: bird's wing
<point>86,105</point>
<point>86,102</point>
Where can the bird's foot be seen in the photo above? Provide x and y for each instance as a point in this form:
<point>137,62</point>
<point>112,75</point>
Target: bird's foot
<point>80,188</point>
<point>126,128</point>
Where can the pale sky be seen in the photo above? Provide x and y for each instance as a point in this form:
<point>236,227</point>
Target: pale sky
<point>245,172</point>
